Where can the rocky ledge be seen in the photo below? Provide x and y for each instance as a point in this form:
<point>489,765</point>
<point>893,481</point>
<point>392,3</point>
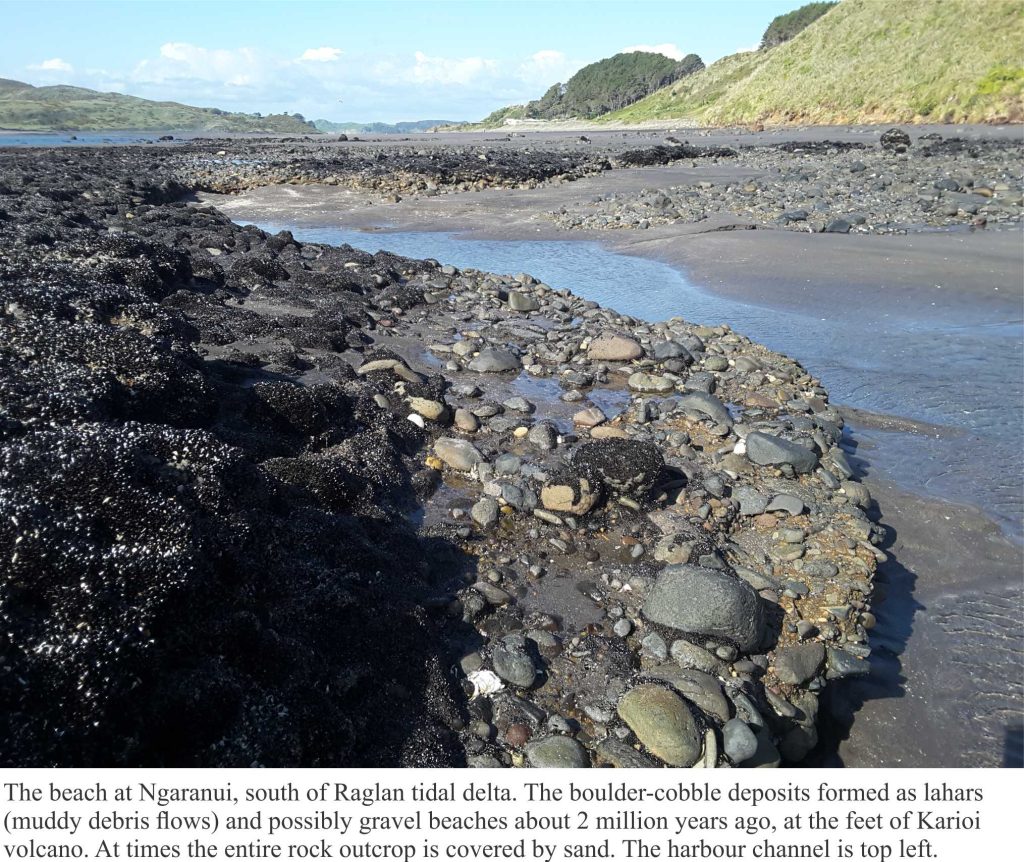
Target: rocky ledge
<point>272,503</point>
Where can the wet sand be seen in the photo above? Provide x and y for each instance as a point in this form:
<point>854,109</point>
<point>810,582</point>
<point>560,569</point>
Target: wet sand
<point>953,583</point>
<point>942,690</point>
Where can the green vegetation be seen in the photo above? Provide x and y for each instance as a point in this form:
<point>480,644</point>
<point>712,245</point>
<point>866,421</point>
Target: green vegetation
<point>400,128</point>
<point>600,87</point>
<point>497,118</point>
<point>611,84</point>
<point>76,109</point>
<point>785,27</point>
<point>867,61</point>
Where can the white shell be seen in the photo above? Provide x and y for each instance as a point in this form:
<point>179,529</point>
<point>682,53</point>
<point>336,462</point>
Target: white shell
<point>485,682</point>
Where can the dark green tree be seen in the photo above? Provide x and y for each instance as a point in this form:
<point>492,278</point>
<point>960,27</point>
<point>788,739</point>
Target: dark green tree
<point>785,27</point>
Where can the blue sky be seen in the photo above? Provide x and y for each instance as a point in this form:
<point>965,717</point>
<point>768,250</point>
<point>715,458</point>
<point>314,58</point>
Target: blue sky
<point>361,61</point>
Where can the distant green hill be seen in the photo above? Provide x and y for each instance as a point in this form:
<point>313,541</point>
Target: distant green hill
<point>74,109</point>
<point>865,61</point>
<point>400,128</point>
<point>601,87</point>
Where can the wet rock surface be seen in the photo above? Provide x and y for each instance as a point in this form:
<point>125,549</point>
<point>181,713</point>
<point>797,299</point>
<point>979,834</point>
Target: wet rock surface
<point>217,468</point>
<point>894,186</point>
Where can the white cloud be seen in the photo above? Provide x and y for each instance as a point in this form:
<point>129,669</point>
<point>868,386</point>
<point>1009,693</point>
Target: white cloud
<point>329,82</point>
<point>545,68</point>
<point>443,70</point>
<point>232,68</point>
<point>673,52</point>
<point>321,55</point>
<point>54,65</point>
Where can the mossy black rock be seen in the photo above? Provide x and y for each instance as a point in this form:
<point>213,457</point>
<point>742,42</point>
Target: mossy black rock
<point>195,545</point>
<point>626,466</point>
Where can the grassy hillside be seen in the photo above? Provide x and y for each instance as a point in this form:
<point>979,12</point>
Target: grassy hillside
<point>610,84</point>
<point>39,109</point>
<point>598,88</point>
<point>865,61</point>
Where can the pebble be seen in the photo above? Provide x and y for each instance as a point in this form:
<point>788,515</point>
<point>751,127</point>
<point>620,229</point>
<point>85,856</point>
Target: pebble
<point>799,663</point>
<point>614,348</point>
<point>466,421</point>
<point>739,741</point>
<point>557,752</point>
<point>493,360</point>
<point>460,455</point>
<point>767,449</point>
<point>664,724</point>
<point>786,503</point>
<point>512,662</point>
<point>641,381</point>
<point>485,513</point>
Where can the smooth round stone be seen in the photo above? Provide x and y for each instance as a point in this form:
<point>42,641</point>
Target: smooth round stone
<point>507,464</point>
<point>703,601</point>
<point>460,455</point>
<point>857,494</point>
<point>518,404</point>
<point>769,450</point>
<point>428,408</point>
<point>698,687</point>
<point>665,350</point>
<point>605,432</point>
<point>640,381</point>
<point>589,418</point>
<point>707,405</point>
<point>544,435</point>
<point>842,663</point>
<point>614,348</point>
<point>466,421</point>
<point>688,655</point>
<point>767,755</point>
<point>739,741</point>
<point>512,662</point>
<point>622,628</point>
<point>518,301</point>
<point>785,503</point>
<point>494,360</point>
<point>577,498</point>
<point>557,752</point>
<point>663,722</point>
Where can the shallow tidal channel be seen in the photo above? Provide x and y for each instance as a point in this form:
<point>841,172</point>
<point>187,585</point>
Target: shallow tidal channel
<point>936,391</point>
<point>953,374</point>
